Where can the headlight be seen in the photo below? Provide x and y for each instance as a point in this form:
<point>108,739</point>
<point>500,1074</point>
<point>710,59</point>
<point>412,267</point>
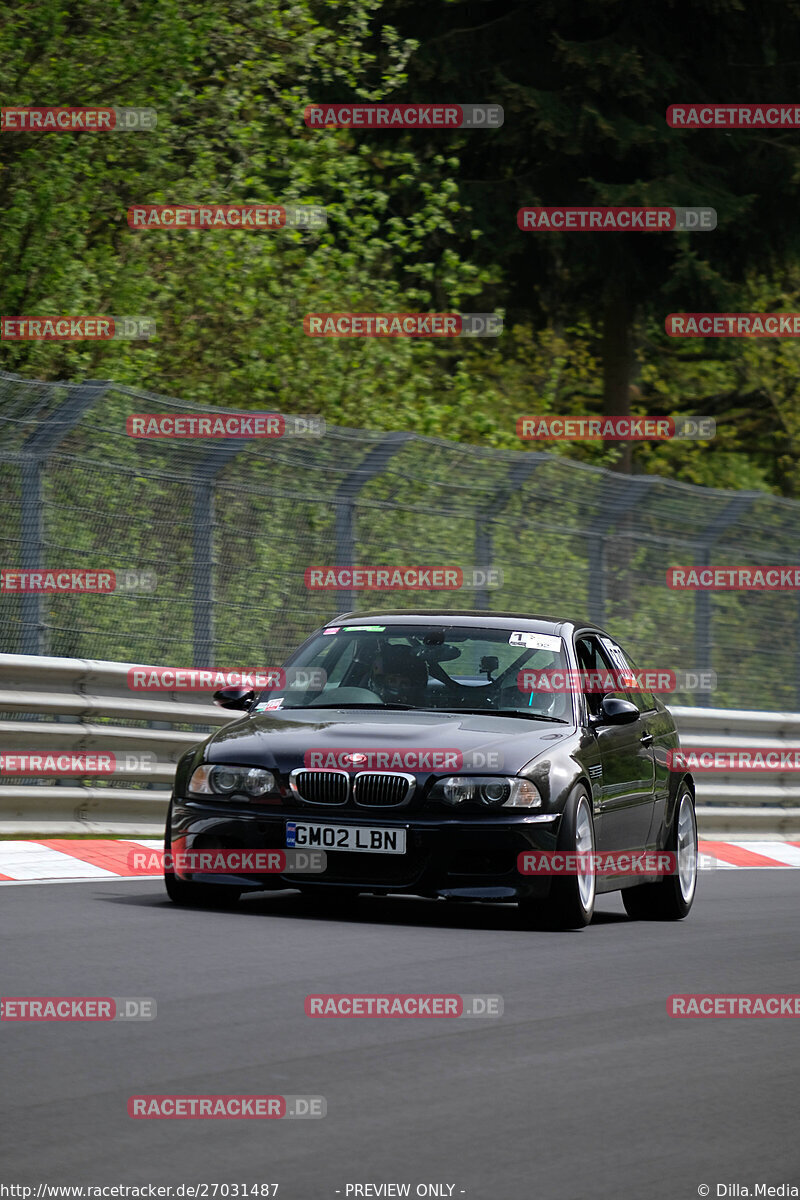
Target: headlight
<point>491,790</point>
<point>224,780</point>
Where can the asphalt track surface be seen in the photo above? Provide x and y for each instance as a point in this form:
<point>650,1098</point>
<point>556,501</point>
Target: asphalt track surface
<point>585,1087</point>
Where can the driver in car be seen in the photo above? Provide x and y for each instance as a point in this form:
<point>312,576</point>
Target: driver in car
<point>398,676</point>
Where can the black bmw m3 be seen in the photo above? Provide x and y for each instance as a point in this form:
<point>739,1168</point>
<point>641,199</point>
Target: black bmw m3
<point>436,754</point>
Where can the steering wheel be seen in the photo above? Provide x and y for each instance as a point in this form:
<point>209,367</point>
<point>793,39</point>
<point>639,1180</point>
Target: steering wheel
<point>465,695</point>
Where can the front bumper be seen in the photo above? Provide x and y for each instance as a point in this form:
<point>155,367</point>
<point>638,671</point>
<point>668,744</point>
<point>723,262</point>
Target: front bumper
<point>471,858</point>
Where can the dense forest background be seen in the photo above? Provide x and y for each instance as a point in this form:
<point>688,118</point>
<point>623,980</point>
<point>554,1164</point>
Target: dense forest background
<point>418,220</point>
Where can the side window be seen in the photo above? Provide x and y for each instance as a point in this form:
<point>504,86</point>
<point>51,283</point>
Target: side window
<point>643,700</point>
<point>593,658</point>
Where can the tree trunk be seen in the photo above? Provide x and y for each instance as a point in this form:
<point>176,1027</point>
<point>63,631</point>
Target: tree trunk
<point>617,368</point>
<point>617,364</point>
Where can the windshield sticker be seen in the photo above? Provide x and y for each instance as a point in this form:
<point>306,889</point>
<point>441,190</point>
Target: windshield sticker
<point>267,705</point>
<point>333,629</point>
<point>364,629</point>
<point>535,641</point>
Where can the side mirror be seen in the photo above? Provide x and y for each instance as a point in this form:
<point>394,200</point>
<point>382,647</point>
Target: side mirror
<point>615,711</point>
<point>235,697</point>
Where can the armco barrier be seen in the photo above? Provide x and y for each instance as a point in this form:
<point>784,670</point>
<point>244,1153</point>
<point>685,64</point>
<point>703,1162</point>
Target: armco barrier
<point>85,705</point>
<point>752,804</point>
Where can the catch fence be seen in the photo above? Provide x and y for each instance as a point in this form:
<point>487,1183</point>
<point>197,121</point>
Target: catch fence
<point>228,528</point>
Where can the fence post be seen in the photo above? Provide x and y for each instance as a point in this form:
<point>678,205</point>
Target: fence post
<point>631,489</point>
<point>203,598</point>
<point>703,628</point>
<point>484,540</point>
<point>344,501</point>
<point>33,459</point>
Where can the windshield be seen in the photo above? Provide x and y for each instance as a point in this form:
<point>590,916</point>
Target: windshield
<point>433,667</point>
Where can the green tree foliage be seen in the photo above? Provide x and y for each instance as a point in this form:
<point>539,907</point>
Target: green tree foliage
<point>417,220</point>
<point>585,90</point>
<point>230,86</point>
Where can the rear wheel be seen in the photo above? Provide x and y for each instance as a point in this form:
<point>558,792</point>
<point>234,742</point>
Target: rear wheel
<point>570,904</point>
<point>671,898</point>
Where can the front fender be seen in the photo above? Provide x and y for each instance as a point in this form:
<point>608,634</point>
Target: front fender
<point>556,777</point>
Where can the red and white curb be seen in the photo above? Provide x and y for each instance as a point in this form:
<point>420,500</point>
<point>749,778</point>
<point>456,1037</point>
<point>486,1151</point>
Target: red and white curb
<point>61,860</point>
<point>748,854</point>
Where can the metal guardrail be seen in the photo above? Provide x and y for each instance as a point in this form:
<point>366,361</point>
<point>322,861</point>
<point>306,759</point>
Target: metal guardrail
<point>85,705</point>
<point>52,704</point>
<point>754,804</point>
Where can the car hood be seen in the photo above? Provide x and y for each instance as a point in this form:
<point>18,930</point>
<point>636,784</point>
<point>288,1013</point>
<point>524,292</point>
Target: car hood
<point>279,741</point>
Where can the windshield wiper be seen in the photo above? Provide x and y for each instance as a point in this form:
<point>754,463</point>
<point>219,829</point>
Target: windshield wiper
<point>530,716</point>
<point>345,704</point>
<point>502,712</point>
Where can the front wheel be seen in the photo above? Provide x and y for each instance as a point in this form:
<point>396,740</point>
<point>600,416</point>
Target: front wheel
<point>671,898</point>
<point>570,904</point>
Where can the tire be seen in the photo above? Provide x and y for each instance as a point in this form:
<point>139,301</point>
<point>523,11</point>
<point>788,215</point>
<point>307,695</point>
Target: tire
<point>672,897</point>
<point>570,904</point>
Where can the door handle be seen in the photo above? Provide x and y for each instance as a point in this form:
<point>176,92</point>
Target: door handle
<point>646,739</point>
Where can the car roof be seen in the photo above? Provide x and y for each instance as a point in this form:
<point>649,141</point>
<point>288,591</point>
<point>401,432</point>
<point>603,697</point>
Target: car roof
<point>559,626</point>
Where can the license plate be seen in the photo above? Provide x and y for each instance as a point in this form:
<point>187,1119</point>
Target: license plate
<point>360,839</point>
